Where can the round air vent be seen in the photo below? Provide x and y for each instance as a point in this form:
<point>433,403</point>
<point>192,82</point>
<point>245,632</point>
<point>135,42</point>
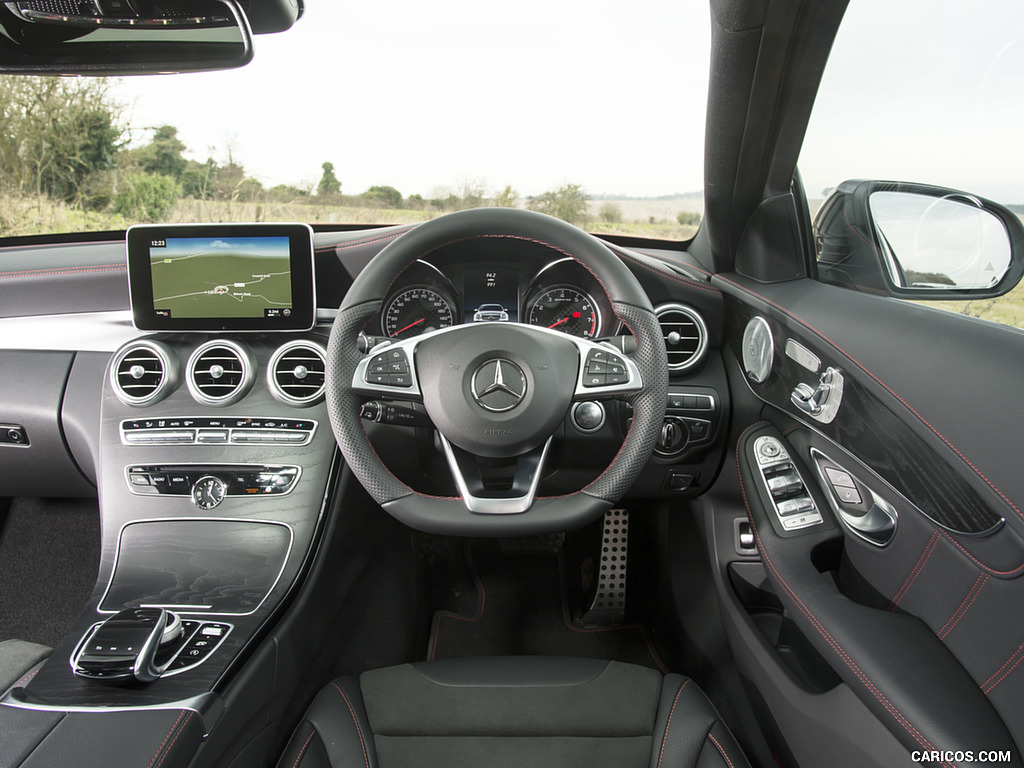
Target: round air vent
<point>297,372</point>
<point>143,372</point>
<point>686,335</point>
<point>219,373</point>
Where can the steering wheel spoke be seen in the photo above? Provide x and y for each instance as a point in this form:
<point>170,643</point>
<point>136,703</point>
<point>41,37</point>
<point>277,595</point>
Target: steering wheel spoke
<point>517,498</point>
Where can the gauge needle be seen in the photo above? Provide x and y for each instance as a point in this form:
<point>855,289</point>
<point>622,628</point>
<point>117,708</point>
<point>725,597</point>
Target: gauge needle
<point>410,325</point>
<point>555,325</point>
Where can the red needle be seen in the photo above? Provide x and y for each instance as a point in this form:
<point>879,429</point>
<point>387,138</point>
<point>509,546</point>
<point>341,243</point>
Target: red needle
<point>555,325</point>
<point>410,325</point>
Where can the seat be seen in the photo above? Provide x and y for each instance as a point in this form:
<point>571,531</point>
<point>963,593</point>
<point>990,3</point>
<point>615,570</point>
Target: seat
<point>501,712</point>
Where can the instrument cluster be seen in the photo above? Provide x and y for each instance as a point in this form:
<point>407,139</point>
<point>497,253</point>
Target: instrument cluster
<point>558,294</point>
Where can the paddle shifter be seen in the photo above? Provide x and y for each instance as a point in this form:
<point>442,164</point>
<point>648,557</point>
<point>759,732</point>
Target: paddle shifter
<point>126,647</point>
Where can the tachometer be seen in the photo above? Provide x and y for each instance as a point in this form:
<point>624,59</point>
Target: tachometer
<point>415,311</point>
<point>566,309</point>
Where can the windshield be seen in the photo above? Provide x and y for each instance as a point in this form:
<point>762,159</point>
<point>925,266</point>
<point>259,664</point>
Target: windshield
<point>385,112</point>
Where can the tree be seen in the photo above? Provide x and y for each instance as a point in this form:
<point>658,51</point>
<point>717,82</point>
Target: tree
<point>568,203</point>
<point>164,153</point>
<point>56,134</point>
<point>329,184</point>
<point>387,197</point>
<point>507,198</point>
<point>146,197</point>
<point>610,213</point>
<point>688,218</point>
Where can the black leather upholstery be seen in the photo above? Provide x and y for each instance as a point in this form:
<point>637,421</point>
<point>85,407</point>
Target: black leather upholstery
<point>509,711</point>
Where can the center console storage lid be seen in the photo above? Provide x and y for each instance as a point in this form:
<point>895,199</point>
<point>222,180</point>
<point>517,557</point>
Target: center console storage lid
<point>35,739</point>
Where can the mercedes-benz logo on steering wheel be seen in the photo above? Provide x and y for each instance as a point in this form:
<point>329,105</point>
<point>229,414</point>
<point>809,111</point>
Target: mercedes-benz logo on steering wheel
<point>499,385</point>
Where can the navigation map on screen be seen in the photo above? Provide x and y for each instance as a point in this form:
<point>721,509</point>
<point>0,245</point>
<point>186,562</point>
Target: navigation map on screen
<point>221,277</point>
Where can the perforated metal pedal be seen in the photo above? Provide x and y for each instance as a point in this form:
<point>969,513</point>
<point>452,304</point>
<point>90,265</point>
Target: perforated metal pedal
<point>608,607</point>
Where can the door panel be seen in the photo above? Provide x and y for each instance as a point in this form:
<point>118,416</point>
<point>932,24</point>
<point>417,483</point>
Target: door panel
<point>927,630</point>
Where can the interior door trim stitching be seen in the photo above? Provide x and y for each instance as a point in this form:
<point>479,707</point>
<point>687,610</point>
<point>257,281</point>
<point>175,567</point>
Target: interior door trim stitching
<point>926,554</point>
<point>181,714</point>
<point>668,723</point>
<point>720,750</point>
<point>181,730</point>
<point>978,562</point>
<point>836,647</point>
<point>889,389</point>
<point>965,605</point>
<point>355,721</point>
<point>988,685</point>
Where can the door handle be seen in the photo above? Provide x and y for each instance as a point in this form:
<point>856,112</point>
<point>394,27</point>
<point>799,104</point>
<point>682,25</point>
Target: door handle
<point>821,402</point>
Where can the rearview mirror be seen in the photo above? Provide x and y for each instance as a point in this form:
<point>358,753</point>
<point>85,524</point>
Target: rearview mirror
<point>119,37</point>
<point>918,241</point>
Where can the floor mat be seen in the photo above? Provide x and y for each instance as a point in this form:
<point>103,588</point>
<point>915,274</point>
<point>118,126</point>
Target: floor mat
<point>516,605</point>
<point>49,557</point>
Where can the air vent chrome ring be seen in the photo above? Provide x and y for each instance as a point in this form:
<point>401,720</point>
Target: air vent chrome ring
<point>297,373</point>
<point>219,372</point>
<point>687,341</point>
<point>143,372</point>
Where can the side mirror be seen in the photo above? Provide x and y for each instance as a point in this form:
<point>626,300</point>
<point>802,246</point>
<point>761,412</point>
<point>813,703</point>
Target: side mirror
<point>916,241</point>
<point>122,37</point>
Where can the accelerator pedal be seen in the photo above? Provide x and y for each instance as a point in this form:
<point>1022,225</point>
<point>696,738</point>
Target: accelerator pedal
<point>608,608</point>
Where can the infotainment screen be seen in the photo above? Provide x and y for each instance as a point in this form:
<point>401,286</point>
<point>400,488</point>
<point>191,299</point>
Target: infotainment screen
<point>221,277</point>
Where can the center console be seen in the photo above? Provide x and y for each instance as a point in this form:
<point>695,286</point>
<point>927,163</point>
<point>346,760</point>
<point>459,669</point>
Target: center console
<point>216,461</point>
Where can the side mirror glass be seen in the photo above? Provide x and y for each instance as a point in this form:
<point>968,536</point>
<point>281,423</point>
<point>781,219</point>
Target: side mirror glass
<point>917,241</point>
<point>939,243</point>
<point>122,37</point>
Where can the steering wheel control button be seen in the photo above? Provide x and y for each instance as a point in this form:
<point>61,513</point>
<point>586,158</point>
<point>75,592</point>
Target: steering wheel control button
<point>499,385</point>
<point>208,492</point>
<point>604,368</point>
<point>588,416</point>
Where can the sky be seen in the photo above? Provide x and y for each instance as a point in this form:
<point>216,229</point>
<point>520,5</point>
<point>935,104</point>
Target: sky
<point>609,95</point>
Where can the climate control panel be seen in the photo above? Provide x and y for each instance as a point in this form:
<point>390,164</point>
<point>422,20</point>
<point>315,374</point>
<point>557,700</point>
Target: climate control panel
<point>209,484</point>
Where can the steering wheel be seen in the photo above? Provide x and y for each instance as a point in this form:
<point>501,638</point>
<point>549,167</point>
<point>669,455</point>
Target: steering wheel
<point>496,389</point>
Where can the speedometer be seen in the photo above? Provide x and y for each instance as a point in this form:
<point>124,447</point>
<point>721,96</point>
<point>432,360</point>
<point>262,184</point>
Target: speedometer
<point>566,309</point>
<point>415,311</point>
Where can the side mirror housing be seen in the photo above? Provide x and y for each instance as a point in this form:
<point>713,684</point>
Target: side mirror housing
<point>916,241</point>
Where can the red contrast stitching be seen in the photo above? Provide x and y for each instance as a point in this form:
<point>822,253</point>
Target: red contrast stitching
<point>889,389</point>
<point>27,678</point>
<point>63,271</point>
<point>965,605</point>
<point>169,746</point>
<point>667,275</point>
<point>926,554</point>
<point>978,562</point>
<point>303,750</point>
<point>359,731</point>
<point>721,751</point>
<point>160,748</point>
<point>478,582</point>
<point>836,647</point>
<point>988,685</point>
<point>371,240</point>
<point>668,723</point>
